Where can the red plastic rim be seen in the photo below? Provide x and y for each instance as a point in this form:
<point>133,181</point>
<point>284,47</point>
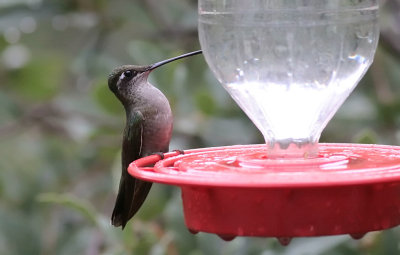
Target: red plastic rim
<point>248,166</point>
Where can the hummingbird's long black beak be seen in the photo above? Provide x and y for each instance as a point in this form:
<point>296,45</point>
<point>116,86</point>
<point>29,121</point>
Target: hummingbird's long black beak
<point>158,64</point>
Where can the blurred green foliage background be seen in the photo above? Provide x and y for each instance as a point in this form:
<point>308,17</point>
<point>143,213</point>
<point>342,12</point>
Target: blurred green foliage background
<point>60,127</point>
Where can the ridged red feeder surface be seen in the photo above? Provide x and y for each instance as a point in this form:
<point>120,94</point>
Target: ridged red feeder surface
<point>237,191</point>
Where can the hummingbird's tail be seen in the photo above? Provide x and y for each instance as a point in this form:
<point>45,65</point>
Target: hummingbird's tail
<point>131,195</point>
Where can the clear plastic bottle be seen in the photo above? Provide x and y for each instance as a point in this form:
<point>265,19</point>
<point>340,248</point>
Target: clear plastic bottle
<point>289,64</point>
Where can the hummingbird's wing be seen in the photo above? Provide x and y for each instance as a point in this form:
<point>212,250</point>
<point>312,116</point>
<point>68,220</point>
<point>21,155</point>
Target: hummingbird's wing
<point>132,192</point>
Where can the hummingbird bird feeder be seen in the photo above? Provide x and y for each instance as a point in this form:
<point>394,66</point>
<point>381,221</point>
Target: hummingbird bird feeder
<point>289,65</point>
<point>237,191</point>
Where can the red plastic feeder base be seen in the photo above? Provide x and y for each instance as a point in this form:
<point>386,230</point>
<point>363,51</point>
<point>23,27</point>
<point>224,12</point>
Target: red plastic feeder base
<point>237,191</point>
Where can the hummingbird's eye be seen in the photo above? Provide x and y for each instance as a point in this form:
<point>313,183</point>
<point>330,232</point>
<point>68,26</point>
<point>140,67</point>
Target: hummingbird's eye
<point>128,74</point>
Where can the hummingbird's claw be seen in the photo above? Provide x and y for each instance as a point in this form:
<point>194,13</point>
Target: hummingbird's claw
<point>161,154</point>
<point>180,152</point>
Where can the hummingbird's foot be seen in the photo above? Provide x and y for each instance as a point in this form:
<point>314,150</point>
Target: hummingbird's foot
<point>160,154</point>
<point>180,152</point>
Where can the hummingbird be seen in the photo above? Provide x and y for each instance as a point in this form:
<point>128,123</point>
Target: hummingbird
<point>148,130</point>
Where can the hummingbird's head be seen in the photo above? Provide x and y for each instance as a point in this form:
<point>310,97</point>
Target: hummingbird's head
<point>125,80</point>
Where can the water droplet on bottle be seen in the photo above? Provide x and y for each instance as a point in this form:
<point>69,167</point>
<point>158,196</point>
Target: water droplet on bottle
<point>358,58</point>
<point>363,34</point>
<point>239,73</point>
